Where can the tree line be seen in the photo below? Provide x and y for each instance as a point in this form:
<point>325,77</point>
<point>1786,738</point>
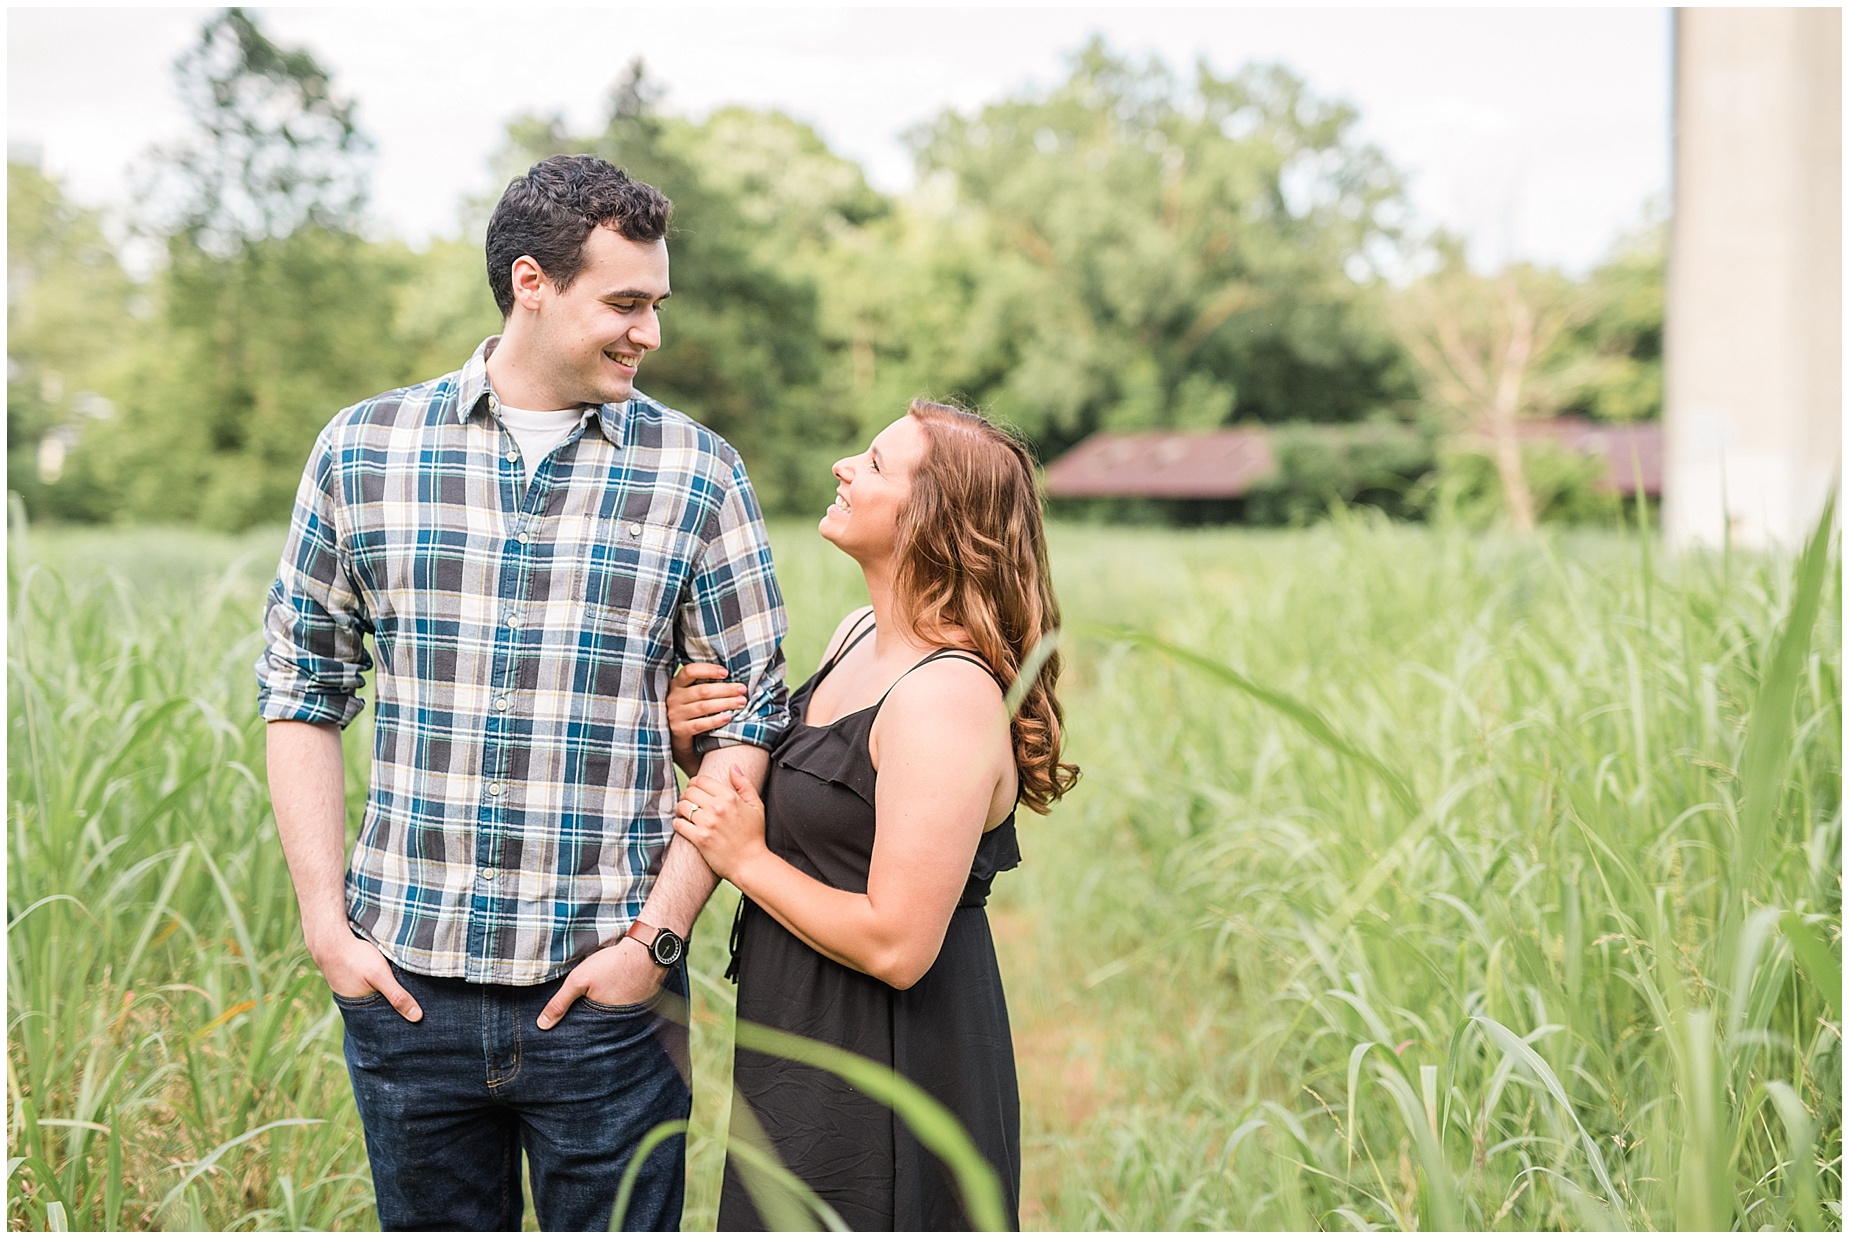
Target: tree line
<point>1131,248</point>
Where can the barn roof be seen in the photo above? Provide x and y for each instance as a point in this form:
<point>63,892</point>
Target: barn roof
<point>1631,450</point>
<point>1215,464</point>
<point>1224,464</point>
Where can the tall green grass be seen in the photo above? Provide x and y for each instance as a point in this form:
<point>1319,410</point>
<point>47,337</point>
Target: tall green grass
<point>173,1061</point>
<point>1450,882</point>
<point>1420,880</point>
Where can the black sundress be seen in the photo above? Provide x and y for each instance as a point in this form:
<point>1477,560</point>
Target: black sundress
<point>948,1034</point>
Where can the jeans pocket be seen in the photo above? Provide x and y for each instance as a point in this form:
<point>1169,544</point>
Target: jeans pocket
<point>363,1003</point>
<point>628,1008</point>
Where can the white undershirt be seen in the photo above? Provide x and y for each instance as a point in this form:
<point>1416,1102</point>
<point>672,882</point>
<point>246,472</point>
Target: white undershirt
<point>538,431</point>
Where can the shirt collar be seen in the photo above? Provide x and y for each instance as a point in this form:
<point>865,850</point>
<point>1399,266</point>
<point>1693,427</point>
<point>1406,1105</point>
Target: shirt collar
<point>474,390</point>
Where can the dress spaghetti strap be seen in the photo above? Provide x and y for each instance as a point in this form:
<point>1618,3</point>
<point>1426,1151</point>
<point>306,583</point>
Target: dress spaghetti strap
<point>967,656</point>
<point>855,635</point>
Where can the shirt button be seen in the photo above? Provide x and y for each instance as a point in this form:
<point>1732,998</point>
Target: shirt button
<point>500,703</point>
<point>513,458</point>
<point>513,619</point>
<point>635,529</point>
<point>494,789</point>
<point>525,537</point>
<point>489,875</point>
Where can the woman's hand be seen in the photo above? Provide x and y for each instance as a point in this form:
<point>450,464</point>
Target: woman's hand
<point>724,819</point>
<point>699,701</point>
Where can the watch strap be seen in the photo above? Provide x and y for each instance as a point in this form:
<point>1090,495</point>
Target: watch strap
<point>644,933</point>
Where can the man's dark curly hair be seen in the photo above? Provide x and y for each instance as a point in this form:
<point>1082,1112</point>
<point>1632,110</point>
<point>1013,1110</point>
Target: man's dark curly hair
<point>548,213</point>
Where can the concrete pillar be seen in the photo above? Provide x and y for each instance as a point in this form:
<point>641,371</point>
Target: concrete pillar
<point>1753,331</point>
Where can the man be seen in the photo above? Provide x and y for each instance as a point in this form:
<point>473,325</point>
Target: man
<point>532,545</point>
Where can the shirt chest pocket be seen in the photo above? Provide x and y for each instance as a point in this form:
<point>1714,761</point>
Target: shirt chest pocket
<point>632,576</point>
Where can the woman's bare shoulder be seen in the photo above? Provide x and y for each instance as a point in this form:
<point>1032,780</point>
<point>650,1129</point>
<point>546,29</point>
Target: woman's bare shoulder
<point>946,710</point>
<point>956,690</point>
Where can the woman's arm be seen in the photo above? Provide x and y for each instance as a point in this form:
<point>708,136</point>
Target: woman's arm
<point>943,751</point>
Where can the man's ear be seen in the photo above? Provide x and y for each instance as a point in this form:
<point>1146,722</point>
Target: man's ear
<point>528,279</point>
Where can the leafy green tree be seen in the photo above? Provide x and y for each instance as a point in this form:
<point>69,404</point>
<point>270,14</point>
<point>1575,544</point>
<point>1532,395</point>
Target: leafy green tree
<point>1123,252</point>
<point>443,308</point>
<point>273,312</point>
<point>70,322</point>
<point>796,198</point>
<point>1610,358</point>
<point>1482,345</point>
<point>254,355</point>
<point>272,149</point>
<point>1527,342</point>
<point>812,218</point>
<point>740,350</point>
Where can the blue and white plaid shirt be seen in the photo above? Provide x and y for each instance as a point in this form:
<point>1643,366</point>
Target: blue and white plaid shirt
<point>522,790</point>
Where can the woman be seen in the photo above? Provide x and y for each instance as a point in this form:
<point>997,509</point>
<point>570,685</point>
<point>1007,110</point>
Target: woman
<point>888,810</point>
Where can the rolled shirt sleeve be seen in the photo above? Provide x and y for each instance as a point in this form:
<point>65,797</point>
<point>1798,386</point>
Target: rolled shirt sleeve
<point>314,660</point>
<point>732,614</point>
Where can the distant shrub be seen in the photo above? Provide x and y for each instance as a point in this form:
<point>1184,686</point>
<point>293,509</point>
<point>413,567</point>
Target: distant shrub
<point>1568,486</point>
<point>1377,465</point>
<point>1141,511</point>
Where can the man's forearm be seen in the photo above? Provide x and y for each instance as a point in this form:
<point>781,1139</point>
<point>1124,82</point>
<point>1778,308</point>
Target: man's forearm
<point>686,883</point>
<point>307,776</point>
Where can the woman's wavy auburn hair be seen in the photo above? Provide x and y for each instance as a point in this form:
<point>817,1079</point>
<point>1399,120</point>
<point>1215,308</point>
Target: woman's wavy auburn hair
<point>972,556</point>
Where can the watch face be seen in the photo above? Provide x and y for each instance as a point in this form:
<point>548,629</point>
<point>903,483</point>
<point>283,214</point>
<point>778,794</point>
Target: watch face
<point>667,948</point>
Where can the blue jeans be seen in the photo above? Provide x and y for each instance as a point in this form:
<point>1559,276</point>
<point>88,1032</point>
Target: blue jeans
<point>448,1104</point>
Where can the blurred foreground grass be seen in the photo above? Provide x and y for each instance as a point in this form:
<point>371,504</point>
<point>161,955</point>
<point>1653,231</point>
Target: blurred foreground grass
<point>1580,971</point>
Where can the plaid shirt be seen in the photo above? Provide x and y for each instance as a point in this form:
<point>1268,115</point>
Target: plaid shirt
<point>522,790</point>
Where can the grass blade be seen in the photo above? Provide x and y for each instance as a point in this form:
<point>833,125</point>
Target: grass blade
<point>1819,962</point>
<point>783,1201</point>
<point>1800,1153</point>
<point>211,1159</point>
<point>936,1128</point>
<point>1030,670</point>
<point>1523,1053</point>
<point>657,1134</point>
<point>1768,735</point>
<point>1305,716</point>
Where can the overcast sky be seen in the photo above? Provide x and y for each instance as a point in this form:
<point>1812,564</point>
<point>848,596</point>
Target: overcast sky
<point>1540,133</point>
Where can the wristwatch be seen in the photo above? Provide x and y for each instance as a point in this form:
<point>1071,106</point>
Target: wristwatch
<point>665,946</point>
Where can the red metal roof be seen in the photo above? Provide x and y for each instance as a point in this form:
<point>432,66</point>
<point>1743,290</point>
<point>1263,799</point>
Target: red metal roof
<point>1216,464</point>
<point>1630,450</point>
<point>1223,464</point>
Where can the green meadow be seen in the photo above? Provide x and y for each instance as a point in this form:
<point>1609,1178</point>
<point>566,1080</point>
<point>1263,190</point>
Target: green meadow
<point>1416,879</point>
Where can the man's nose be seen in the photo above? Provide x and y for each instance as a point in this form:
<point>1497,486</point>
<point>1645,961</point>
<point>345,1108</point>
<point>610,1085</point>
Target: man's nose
<point>647,333</point>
